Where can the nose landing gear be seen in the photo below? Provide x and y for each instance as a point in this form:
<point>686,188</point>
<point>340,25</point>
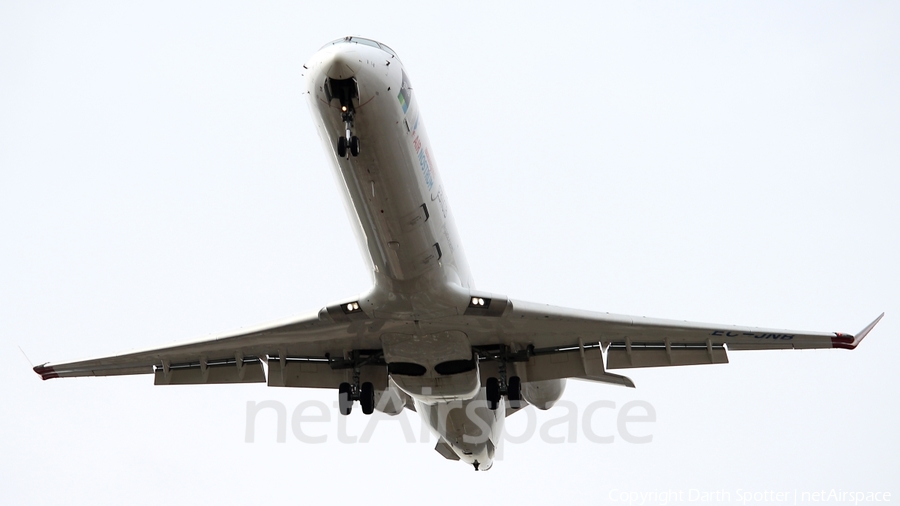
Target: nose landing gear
<point>348,140</point>
<point>345,91</point>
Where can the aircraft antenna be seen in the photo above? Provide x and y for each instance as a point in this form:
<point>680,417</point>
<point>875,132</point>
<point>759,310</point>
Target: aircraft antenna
<point>26,356</point>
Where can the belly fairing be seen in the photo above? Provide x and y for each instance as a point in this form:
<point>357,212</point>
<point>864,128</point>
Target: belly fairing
<point>432,368</point>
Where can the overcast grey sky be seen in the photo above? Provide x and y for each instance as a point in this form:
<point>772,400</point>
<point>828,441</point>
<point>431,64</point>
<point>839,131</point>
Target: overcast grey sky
<point>733,162</point>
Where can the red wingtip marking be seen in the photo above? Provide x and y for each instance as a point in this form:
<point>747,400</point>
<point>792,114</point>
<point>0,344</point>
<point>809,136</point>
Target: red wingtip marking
<point>46,372</point>
<point>851,342</point>
<point>845,343</point>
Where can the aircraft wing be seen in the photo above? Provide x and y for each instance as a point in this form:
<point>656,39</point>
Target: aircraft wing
<point>544,342</point>
<point>631,341</point>
<point>306,342</point>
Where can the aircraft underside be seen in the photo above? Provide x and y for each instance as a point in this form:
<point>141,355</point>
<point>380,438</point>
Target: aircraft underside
<point>423,337</point>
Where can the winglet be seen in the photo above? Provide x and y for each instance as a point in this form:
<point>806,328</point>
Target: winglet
<point>45,372</point>
<point>851,342</point>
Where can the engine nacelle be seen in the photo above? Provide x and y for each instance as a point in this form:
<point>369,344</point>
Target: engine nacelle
<point>543,394</point>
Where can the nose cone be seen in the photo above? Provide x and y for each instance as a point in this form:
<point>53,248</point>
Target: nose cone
<point>341,64</point>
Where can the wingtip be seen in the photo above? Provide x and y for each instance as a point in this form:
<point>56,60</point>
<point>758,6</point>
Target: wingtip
<point>45,372</point>
<point>849,342</point>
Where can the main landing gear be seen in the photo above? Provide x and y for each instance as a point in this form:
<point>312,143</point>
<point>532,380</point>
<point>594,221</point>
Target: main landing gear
<point>364,393</point>
<point>348,392</point>
<point>496,388</point>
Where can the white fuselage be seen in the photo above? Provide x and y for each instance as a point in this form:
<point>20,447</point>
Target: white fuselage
<point>405,228</point>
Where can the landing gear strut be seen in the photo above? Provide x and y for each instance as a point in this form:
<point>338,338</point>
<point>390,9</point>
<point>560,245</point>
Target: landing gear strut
<point>511,387</point>
<point>348,392</point>
<point>496,388</point>
<point>345,91</point>
<point>364,393</point>
<point>348,140</point>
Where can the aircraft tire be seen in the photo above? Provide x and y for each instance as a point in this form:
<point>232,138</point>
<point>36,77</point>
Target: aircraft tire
<point>354,145</point>
<point>342,147</point>
<point>367,398</point>
<point>492,391</point>
<point>514,391</point>
<point>345,399</point>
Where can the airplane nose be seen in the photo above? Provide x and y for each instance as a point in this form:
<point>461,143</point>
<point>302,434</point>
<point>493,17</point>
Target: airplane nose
<point>342,65</point>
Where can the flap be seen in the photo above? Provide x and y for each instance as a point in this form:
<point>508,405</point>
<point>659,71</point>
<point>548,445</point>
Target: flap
<point>580,361</point>
<point>249,370</point>
<point>628,355</point>
<point>306,373</point>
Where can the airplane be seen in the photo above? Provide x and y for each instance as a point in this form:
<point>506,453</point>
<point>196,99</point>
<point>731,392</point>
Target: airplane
<point>423,337</point>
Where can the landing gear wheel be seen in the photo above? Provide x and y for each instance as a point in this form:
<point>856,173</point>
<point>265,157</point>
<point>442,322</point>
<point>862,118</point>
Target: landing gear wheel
<point>367,398</point>
<point>354,145</point>
<point>492,387</point>
<point>342,147</point>
<point>345,399</point>
<point>514,392</point>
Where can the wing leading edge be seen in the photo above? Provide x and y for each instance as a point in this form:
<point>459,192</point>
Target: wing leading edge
<point>631,341</point>
<point>547,342</point>
<point>228,358</point>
